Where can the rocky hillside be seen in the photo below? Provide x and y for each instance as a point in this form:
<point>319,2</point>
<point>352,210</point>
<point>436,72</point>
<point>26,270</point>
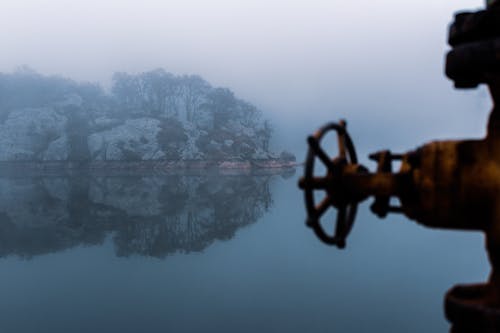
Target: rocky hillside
<point>149,116</point>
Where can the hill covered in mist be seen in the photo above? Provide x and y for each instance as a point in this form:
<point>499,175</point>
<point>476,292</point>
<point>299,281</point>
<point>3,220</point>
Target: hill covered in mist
<point>145,117</point>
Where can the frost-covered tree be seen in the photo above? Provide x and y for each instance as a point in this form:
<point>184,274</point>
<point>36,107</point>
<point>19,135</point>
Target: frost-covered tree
<point>149,115</point>
<point>193,90</point>
<point>221,105</point>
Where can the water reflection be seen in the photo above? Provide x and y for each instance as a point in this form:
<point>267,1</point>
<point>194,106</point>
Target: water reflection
<point>147,215</point>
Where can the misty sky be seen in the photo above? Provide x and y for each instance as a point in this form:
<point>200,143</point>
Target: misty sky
<point>377,63</point>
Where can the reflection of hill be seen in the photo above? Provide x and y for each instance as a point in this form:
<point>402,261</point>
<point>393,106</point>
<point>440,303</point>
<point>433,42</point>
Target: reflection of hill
<point>146,215</point>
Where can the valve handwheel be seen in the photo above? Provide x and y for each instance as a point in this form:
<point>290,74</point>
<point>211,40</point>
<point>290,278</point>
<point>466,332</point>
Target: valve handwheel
<point>337,196</point>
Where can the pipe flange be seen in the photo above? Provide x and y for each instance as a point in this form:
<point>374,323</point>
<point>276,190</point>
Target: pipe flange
<point>471,64</point>
<point>469,309</point>
<point>473,27</point>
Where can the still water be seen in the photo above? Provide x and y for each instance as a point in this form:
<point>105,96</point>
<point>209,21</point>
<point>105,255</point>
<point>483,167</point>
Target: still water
<point>212,253</point>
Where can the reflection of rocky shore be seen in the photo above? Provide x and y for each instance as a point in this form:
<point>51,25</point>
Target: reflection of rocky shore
<point>146,215</point>
<point>279,166</point>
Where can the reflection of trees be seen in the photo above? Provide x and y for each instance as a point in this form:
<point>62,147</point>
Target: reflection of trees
<point>146,215</point>
<point>195,212</point>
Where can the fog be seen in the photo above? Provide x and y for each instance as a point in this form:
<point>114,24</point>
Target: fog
<point>115,249</point>
<point>379,64</point>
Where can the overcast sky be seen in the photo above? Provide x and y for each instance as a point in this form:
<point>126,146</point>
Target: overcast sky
<point>377,63</point>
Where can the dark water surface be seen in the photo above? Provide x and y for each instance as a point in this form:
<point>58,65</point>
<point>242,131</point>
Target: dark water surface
<point>212,253</point>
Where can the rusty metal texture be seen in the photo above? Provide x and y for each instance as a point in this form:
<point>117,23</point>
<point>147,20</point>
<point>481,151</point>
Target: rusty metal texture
<point>443,184</point>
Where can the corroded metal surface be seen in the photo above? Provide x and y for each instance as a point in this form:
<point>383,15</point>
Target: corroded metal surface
<point>442,184</point>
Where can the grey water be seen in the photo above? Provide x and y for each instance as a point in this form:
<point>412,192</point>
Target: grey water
<point>213,253</point>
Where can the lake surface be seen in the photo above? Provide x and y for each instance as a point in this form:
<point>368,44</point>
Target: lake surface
<point>213,253</point>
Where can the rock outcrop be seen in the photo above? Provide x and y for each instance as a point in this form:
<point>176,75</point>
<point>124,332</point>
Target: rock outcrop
<point>146,117</point>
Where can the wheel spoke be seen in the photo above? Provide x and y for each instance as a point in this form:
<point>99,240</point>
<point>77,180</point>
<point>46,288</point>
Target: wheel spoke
<point>318,151</point>
<point>340,225</point>
<point>314,183</point>
<point>350,218</point>
<point>341,143</point>
<point>322,207</point>
<point>340,228</point>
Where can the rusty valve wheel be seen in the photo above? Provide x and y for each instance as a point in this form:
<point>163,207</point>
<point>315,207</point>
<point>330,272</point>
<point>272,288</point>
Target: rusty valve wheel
<point>337,196</point>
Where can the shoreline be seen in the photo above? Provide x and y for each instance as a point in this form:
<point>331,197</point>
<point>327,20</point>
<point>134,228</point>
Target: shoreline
<point>254,167</point>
